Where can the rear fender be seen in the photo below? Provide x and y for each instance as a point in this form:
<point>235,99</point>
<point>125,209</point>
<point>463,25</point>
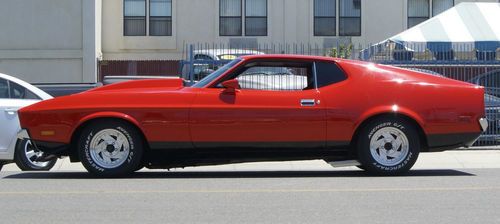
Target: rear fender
<point>392,109</point>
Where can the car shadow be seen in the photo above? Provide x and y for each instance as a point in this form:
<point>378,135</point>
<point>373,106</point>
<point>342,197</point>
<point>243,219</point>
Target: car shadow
<point>234,174</point>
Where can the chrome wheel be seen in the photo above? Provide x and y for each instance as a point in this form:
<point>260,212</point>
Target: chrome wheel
<point>109,148</point>
<point>389,146</point>
<point>33,154</point>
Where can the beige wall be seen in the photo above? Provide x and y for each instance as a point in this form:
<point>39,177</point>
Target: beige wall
<point>56,41</point>
<point>49,41</point>
<point>289,21</point>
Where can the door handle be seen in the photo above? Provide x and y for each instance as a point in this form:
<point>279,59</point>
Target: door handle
<point>11,111</point>
<point>307,102</point>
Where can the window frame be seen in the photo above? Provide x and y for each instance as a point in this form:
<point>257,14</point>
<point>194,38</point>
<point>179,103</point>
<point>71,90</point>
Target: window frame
<point>432,7</point>
<point>8,88</point>
<point>257,17</point>
<point>242,67</point>
<point>351,17</point>
<point>324,17</point>
<point>135,17</point>
<point>234,17</point>
<point>429,10</point>
<point>167,17</point>
<point>321,85</point>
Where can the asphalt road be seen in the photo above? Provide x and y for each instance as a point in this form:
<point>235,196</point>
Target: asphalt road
<point>348,196</point>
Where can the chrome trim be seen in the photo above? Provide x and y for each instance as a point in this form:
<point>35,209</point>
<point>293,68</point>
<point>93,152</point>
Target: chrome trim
<point>315,74</point>
<point>344,163</point>
<point>307,102</point>
<point>23,134</point>
<point>483,122</point>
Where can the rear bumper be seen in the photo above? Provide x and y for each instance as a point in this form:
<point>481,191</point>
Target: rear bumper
<point>441,142</point>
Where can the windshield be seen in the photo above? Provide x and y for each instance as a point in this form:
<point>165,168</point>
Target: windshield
<point>216,74</point>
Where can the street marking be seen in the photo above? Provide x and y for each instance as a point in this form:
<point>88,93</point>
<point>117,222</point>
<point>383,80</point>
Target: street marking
<point>252,191</point>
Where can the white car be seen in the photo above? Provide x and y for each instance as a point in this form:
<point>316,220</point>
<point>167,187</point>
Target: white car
<point>15,94</point>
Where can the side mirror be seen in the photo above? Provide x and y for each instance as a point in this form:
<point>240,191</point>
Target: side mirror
<point>231,85</point>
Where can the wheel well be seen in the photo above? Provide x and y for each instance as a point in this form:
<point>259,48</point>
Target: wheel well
<point>420,130</point>
<point>73,154</point>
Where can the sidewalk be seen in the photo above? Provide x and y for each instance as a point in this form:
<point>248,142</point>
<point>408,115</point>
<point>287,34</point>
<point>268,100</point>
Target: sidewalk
<point>460,159</point>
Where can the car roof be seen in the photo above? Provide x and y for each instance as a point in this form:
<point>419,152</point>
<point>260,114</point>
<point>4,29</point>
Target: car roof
<point>40,93</point>
<point>226,51</point>
<point>290,56</point>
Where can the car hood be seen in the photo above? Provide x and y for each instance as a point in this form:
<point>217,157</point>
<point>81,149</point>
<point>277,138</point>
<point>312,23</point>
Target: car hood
<point>172,83</point>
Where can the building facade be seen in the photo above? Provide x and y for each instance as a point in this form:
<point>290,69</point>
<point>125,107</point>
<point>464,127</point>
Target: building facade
<point>63,41</point>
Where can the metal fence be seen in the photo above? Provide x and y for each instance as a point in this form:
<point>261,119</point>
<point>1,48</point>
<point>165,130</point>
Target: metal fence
<point>461,62</point>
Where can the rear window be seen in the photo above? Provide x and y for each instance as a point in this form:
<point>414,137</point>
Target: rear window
<point>329,73</point>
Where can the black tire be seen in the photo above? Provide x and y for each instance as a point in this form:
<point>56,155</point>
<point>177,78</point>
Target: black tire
<point>380,162</point>
<point>129,159</point>
<point>1,166</point>
<point>28,164</point>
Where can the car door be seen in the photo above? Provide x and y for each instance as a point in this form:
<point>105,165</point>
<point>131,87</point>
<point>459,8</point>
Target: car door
<point>12,98</point>
<point>276,107</point>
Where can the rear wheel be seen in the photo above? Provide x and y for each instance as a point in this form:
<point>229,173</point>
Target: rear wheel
<point>388,146</point>
<point>110,148</point>
<point>27,155</point>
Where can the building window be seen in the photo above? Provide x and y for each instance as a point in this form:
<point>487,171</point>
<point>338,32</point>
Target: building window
<point>418,11</point>
<point>134,12</point>
<point>350,18</point>
<point>439,6</point>
<point>160,18</point>
<point>325,17</point>
<point>230,23</point>
<point>256,17</point>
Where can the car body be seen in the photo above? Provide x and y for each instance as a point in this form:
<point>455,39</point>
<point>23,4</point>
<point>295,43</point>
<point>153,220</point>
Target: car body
<point>208,60</point>
<point>15,94</point>
<point>490,81</point>
<point>381,116</point>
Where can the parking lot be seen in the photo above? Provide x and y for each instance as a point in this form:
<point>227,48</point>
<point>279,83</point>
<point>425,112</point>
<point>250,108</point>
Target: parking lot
<point>448,187</point>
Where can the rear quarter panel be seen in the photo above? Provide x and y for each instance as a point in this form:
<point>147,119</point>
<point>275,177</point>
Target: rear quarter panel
<point>438,105</point>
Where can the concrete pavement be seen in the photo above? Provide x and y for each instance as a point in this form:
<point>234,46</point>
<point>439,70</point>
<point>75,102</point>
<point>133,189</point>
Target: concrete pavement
<point>458,159</point>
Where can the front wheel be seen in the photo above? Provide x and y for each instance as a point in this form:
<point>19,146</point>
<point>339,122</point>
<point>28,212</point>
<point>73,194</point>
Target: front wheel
<point>388,146</point>
<point>110,148</point>
<point>26,157</point>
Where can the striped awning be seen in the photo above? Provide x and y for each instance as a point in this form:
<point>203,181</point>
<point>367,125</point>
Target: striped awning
<point>466,26</point>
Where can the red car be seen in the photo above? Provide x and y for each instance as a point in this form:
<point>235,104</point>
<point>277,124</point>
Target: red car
<point>314,108</point>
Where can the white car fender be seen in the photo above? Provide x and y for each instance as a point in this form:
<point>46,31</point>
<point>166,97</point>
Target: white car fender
<point>9,154</point>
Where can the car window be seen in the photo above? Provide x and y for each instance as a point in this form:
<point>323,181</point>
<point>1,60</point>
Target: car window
<point>19,92</point>
<point>4,89</point>
<point>276,76</point>
<point>205,81</point>
<point>202,57</point>
<point>329,73</point>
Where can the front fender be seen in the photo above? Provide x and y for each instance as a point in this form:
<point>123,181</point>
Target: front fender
<point>106,114</point>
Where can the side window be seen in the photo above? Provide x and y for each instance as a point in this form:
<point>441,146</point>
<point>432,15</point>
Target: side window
<point>4,89</point>
<point>202,57</point>
<point>329,73</point>
<point>277,77</point>
<point>19,92</point>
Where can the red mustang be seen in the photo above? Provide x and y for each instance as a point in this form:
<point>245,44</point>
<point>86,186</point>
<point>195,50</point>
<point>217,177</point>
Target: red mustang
<point>262,108</point>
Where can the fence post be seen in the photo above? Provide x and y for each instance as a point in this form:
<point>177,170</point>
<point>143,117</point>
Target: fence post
<point>191,63</point>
